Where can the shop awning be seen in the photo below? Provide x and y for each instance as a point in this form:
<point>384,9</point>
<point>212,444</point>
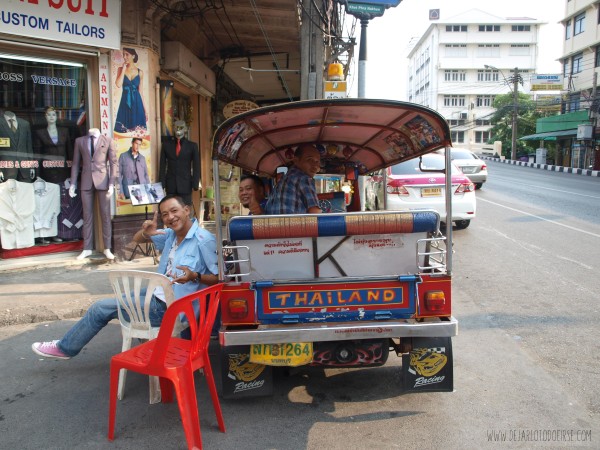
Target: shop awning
<point>549,136</point>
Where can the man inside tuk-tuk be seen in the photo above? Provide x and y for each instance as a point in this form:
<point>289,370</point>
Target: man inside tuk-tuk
<point>252,194</point>
<point>296,192</point>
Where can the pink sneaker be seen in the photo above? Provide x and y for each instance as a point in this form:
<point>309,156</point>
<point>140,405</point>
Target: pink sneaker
<point>49,350</point>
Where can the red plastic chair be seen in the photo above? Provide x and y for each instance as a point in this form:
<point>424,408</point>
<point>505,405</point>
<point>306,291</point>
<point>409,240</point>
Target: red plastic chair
<point>174,360</point>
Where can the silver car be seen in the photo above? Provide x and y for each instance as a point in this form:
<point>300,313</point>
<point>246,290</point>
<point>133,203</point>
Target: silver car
<point>471,165</point>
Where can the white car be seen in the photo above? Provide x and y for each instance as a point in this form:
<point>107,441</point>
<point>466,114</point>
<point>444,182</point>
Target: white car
<point>408,187</point>
<point>470,164</point>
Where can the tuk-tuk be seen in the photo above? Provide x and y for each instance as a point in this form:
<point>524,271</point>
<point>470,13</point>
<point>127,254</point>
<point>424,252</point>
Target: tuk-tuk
<point>345,287</point>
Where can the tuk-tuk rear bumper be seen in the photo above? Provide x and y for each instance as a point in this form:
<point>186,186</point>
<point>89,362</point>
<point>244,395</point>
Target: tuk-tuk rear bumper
<point>316,332</point>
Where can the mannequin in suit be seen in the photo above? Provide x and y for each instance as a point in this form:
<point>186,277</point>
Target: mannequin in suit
<point>54,148</point>
<point>18,132</point>
<point>99,172</point>
<point>180,172</point>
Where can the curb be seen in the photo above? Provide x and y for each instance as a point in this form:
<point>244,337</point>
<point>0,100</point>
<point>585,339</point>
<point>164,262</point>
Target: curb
<point>572,170</point>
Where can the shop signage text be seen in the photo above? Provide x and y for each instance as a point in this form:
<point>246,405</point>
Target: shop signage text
<point>96,23</point>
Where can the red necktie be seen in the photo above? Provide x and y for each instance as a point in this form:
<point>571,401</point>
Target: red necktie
<point>178,147</point>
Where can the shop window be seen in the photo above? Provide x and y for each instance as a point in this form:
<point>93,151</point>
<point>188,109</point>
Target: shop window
<point>47,98</point>
<point>42,112</point>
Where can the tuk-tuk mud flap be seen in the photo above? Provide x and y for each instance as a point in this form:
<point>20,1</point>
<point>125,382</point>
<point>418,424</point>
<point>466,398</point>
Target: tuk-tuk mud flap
<point>242,378</point>
<point>429,365</point>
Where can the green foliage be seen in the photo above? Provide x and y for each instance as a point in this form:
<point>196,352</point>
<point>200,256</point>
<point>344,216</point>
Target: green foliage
<point>526,121</point>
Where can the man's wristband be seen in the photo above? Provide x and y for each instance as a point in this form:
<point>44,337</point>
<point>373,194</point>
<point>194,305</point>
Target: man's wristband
<point>197,278</point>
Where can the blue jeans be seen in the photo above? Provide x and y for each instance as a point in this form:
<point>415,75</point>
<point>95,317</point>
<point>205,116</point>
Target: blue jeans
<point>97,317</point>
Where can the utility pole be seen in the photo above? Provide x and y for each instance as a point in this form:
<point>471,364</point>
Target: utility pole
<point>592,116</point>
<point>362,59</point>
<point>515,80</point>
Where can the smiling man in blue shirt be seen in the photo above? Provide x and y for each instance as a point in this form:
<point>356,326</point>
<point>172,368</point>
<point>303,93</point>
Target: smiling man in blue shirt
<point>188,257</point>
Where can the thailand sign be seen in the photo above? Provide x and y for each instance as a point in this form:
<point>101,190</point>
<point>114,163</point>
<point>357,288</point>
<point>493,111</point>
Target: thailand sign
<point>96,23</point>
<point>552,82</point>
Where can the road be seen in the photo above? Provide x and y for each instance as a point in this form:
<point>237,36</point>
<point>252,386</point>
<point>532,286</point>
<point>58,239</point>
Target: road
<point>526,365</point>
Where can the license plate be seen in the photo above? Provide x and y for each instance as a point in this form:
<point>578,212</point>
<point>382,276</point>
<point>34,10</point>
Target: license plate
<point>431,192</point>
<point>468,169</point>
<point>289,354</point>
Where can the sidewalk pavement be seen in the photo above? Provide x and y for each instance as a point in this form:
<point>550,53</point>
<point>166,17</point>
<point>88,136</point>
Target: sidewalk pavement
<point>58,287</point>
<point>573,170</point>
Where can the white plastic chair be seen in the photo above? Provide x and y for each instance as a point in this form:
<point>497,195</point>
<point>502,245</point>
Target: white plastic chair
<point>128,286</point>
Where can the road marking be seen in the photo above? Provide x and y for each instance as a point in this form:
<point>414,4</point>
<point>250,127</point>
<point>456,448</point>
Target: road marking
<point>538,217</point>
<point>549,189</point>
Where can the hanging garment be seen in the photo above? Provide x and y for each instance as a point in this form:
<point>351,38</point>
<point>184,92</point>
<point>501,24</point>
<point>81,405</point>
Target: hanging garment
<point>70,219</point>
<point>17,205</point>
<point>47,208</point>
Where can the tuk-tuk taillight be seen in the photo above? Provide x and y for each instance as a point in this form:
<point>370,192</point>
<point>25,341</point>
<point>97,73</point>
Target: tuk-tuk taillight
<point>238,308</point>
<point>435,300</point>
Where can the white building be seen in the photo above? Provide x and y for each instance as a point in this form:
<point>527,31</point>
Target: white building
<point>581,52</point>
<point>447,69</point>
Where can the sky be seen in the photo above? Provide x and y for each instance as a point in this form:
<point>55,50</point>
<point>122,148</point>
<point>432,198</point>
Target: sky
<point>388,37</point>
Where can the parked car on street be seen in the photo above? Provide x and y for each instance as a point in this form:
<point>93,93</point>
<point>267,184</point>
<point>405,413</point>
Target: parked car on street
<point>470,164</point>
<point>412,186</point>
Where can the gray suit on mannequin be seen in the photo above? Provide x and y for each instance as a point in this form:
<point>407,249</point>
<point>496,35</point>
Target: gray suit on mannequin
<point>98,173</point>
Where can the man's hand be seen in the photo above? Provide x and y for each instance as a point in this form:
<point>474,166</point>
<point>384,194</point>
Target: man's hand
<point>72,193</point>
<point>186,275</point>
<point>150,227</point>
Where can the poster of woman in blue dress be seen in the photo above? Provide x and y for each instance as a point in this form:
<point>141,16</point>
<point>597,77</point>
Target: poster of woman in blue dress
<point>132,115</point>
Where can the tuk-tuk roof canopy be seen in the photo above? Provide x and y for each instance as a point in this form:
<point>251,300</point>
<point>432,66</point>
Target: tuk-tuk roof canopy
<point>360,134</point>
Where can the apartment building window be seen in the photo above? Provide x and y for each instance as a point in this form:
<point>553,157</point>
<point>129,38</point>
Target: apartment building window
<point>455,75</point>
<point>568,30</point>
<point>487,75</point>
<point>454,100</point>
<point>456,28</point>
<point>573,102</point>
<point>481,137</point>
<point>488,28</point>
<point>577,64</point>
<point>521,28</point>
<point>482,122</point>
<point>456,50</point>
<point>597,56</point>
<point>488,50</point>
<point>566,68</point>
<point>519,50</point>
<point>458,137</point>
<point>484,101</point>
<point>579,24</point>
<point>456,122</point>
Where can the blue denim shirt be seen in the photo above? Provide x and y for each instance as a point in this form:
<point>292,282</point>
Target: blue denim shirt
<point>197,251</point>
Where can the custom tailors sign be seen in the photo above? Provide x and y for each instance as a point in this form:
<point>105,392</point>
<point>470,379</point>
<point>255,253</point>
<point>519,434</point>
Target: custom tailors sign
<point>96,23</point>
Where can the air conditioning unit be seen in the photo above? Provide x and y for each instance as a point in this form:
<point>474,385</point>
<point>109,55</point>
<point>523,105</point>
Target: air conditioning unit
<point>184,66</point>
<point>463,115</point>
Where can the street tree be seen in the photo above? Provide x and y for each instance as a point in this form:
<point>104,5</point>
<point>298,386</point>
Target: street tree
<point>502,122</point>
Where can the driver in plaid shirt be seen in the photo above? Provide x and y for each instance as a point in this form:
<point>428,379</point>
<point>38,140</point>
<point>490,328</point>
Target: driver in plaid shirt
<point>296,192</point>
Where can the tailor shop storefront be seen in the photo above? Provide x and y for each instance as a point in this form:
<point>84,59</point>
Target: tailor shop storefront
<point>54,72</point>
